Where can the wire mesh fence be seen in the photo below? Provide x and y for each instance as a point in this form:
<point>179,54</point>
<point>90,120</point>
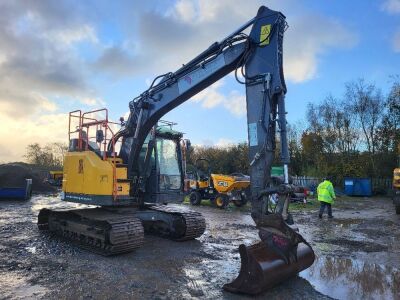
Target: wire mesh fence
<point>379,185</point>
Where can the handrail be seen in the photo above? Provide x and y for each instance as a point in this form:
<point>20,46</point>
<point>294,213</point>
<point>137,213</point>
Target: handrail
<point>102,123</point>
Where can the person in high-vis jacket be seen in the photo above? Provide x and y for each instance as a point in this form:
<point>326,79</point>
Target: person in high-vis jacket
<point>326,196</point>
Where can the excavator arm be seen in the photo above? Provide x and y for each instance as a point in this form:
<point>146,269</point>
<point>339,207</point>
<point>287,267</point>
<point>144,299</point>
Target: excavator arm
<point>256,59</point>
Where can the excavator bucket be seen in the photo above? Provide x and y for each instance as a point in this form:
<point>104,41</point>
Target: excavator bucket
<point>261,268</point>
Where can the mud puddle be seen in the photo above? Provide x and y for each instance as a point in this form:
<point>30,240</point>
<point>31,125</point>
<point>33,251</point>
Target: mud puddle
<point>345,278</point>
<point>16,287</point>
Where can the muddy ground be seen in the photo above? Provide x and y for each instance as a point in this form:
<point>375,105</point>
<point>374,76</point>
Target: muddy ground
<point>358,257</point>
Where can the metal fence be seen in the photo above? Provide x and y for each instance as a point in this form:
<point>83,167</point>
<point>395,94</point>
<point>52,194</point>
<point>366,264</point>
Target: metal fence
<point>379,185</point>
<point>382,185</point>
<point>309,182</point>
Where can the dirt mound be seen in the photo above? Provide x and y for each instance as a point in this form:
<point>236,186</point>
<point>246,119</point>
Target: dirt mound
<point>14,175</point>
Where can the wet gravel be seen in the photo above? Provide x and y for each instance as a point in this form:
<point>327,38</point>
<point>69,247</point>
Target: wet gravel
<point>358,256</point>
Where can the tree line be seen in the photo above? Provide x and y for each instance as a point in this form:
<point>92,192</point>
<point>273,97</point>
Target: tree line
<point>49,156</point>
<point>355,135</point>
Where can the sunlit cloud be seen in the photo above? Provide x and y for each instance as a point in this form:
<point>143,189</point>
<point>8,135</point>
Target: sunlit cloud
<point>391,6</point>
<point>396,41</point>
<point>213,97</point>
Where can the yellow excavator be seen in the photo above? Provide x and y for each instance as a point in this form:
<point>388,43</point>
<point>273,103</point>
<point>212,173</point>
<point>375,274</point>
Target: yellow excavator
<point>220,189</point>
<point>134,175</point>
<point>396,185</point>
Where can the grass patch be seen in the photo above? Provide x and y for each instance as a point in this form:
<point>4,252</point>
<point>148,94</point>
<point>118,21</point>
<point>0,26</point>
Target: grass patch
<point>312,204</point>
<point>203,202</point>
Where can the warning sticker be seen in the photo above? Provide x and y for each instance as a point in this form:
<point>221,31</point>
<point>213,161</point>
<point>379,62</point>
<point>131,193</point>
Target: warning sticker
<point>253,140</point>
<point>264,36</point>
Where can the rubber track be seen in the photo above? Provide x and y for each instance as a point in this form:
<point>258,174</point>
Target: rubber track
<point>125,234</point>
<point>195,222</point>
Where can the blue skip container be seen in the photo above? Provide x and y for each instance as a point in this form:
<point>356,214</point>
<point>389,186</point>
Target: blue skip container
<point>354,186</point>
<point>23,193</point>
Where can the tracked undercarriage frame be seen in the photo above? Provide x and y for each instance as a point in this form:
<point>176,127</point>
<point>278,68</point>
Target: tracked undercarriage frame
<point>111,231</point>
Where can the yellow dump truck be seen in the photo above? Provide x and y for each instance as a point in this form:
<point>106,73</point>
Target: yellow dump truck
<point>218,188</point>
<point>55,178</point>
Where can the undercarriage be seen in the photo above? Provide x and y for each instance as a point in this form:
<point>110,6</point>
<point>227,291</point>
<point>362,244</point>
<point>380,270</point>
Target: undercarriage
<point>111,231</point>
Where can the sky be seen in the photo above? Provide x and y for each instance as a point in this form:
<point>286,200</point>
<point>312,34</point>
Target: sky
<point>59,56</point>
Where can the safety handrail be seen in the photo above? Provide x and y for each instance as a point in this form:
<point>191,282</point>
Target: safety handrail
<point>85,122</point>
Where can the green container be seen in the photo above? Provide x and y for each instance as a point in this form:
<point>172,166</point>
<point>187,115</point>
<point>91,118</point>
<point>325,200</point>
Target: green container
<point>277,171</point>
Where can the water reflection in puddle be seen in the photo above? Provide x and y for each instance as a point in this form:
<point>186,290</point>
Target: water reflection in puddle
<point>345,278</point>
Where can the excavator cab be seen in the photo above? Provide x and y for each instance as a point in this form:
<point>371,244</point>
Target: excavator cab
<point>166,175</point>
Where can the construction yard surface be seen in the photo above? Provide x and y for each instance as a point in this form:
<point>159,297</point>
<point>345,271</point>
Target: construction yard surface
<point>358,257</point>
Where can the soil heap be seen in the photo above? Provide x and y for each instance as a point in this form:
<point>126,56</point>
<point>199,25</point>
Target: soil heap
<point>14,175</point>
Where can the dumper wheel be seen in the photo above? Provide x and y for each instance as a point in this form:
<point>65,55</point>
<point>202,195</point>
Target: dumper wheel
<point>241,202</point>
<point>195,198</point>
<point>221,201</point>
<point>398,209</point>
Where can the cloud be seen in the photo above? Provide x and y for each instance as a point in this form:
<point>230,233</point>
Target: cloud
<point>44,103</point>
<point>391,6</point>
<point>221,143</point>
<point>234,101</point>
<point>98,102</point>
<point>118,61</point>
<point>37,59</point>
<point>396,41</point>
<point>71,36</point>
<point>40,68</point>
<point>166,40</point>
<point>308,37</point>
<point>16,135</point>
<point>224,143</point>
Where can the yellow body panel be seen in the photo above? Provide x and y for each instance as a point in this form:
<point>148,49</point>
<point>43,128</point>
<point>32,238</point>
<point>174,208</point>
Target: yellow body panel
<point>121,173</point>
<point>396,178</point>
<point>222,183</point>
<point>192,184</point>
<point>203,184</point>
<point>86,173</point>
<point>226,183</point>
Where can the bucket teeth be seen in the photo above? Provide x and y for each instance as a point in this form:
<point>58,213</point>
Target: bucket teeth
<point>262,268</point>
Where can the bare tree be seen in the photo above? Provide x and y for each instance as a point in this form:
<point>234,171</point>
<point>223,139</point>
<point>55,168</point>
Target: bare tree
<point>49,156</point>
<point>367,104</point>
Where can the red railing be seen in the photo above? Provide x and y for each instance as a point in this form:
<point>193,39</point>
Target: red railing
<point>86,121</point>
